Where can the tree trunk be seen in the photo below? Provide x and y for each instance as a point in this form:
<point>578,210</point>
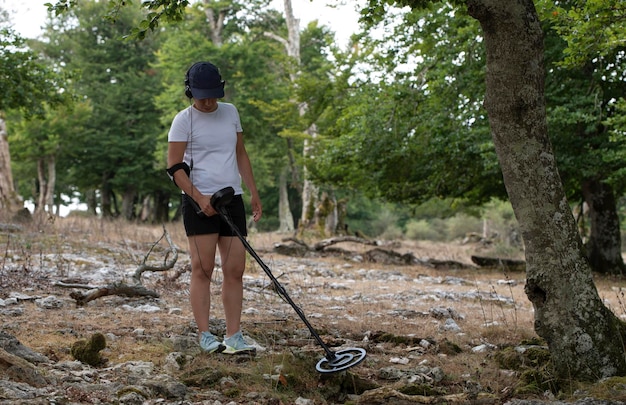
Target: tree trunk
<point>284,212</point>
<point>52,180</point>
<point>292,47</point>
<point>216,22</point>
<point>9,201</point>
<point>604,248</point>
<point>585,338</point>
<point>309,200</point>
<point>46,174</point>
<point>92,202</point>
<point>326,215</point>
<point>161,208</point>
<point>310,191</point>
<point>40,206</point>
<point>106,197</point>
<point>128,203</point>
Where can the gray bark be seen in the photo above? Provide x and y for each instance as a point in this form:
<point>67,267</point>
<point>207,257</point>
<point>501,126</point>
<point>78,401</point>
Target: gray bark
<point>216,22</point>
<point>128,203</point>
<point>584,337</point>
<point>310,192</point>
<point>46,174</point>
<point>309,189</point>
<point>284,212</point>
<point>52,181</point>
<point>292,47</point>
<point>43,187</point>
<point>9,201</point>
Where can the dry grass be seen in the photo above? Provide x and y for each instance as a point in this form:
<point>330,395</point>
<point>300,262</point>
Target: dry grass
<point>364,306</point>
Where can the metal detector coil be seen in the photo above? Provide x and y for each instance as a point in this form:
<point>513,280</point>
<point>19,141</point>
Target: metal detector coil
<point>334,361</point>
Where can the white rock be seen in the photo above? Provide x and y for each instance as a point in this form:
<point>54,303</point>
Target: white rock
<point>399,360</point>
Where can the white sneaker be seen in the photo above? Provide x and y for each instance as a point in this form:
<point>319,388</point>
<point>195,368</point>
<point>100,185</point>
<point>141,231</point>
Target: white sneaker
<point>236,344</point>
<point>210,344</point>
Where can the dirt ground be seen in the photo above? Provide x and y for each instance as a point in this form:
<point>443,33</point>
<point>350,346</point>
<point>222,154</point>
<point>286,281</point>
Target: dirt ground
<point>388,310</point>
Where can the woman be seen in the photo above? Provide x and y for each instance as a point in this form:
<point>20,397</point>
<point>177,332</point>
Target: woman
<point>205,154</point>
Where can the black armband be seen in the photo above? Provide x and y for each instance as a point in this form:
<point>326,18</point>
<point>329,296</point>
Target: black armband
<point>182,165</point>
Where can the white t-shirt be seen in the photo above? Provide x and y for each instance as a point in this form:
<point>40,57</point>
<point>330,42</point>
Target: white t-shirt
<point>211,146</point>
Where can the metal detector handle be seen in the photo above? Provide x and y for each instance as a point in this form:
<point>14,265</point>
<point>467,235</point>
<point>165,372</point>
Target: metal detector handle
<point>196,207</point>
<point>220,199</point>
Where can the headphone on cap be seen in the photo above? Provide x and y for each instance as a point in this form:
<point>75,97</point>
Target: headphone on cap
<point>187,87</point>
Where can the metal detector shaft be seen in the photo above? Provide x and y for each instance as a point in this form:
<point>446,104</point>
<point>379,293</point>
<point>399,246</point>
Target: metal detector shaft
<point>330,355</point>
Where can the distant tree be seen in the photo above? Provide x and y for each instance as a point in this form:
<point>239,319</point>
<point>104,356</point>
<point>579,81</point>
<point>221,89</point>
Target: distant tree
<point>28,85</point>
<point>116,148</point>
<point>39,146</point>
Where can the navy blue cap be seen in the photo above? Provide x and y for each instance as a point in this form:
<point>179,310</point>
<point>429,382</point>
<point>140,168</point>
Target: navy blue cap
<point>205,81</point>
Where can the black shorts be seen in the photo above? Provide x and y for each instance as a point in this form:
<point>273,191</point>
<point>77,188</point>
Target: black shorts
<point>200,224</point>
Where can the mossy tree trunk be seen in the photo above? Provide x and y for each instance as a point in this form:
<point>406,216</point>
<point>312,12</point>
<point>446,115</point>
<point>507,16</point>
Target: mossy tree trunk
<point>584,337</point>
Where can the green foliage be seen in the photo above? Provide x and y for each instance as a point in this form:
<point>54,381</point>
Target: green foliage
<point>27,83</point>
<point>583,100</point>
<point>500,216</point>
<point>45,138</point>
<point>424,230</point>
<point>385,224</point>
<point>591,28</point>
<point>109,153</point>
<point>158,10</point>
<point>458,226</point>
<point>412,135</point>
<point>495,217</point>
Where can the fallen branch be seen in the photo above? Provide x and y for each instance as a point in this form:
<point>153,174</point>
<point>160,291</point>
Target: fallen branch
<point>113,289</point>
<point>74,285</point>
<point>121,288</point>
<point>299,248</point>
<point>332,241</point>
<point>499,263</point>
<point>389,257</point>
<point>178,273</point>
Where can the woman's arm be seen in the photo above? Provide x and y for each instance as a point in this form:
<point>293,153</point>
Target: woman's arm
<point>175,154</point>
<point>245,170</point>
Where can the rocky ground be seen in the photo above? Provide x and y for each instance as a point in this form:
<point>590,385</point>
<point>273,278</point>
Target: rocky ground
<point>431,334</point>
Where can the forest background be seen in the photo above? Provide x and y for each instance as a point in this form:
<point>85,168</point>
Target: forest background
<point>110,154</point>
<point>386,136</point>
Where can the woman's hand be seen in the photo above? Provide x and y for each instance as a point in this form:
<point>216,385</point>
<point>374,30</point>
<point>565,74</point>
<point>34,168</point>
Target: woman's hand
<point>257,209</point>
<point>204,203</point>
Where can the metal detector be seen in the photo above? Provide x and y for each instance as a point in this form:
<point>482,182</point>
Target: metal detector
<point>334,361</point>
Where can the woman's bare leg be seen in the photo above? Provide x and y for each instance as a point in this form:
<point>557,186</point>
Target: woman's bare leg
<point>233,255</point>
<point>202,249</point>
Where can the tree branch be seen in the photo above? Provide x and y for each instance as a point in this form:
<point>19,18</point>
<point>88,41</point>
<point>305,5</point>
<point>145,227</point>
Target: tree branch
<point>168,262</point>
